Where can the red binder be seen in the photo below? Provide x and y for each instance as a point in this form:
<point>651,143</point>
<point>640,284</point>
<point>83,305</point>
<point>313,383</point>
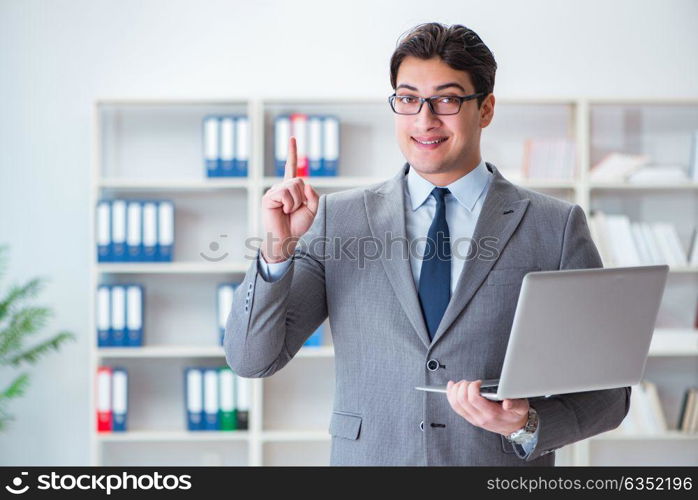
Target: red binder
<point>104,410</point>
<point>299,129</point>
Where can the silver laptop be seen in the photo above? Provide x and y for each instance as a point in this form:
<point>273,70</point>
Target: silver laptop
<point>578,330</point>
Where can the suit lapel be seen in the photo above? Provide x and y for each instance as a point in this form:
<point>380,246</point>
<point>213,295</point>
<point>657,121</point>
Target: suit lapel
<point>386,219</point>
<point>501,214</point>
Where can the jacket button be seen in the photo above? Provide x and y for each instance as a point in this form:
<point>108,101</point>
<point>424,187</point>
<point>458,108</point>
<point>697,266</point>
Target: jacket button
<point>421,426</point>
<point>432,365</point>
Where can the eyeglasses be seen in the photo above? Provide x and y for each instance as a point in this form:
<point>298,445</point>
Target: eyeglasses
<point>438,104</point>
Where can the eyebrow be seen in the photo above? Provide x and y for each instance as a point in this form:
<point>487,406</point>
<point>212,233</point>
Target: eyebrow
<point>440,87</point>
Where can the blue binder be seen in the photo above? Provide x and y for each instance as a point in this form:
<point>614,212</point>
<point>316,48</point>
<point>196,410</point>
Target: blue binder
<point>104,335</point>
<point>119,393</point>
<point>315,125</point>
<point>227,146</point>
<point>134,316</point>
<point>166,234</point>
<point>194,398</point>
<point>134,231</point>
<point>104,250</point>
<point>330,146</point>
<point>210,399</point>
<point>150,231</point>
<point>224,304</point>
<point>282,134</point>
<point>118,230</point>
<point>242,146</point>
<point>211,145</point>
<point>118,316</point>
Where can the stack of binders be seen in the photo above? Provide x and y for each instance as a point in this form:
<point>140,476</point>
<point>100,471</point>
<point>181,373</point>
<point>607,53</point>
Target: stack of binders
<point>225,303</point>
<point>216,399</point>
<point>317,141</point>
<point>135,231</point>
<point>120,315</point>
<point>226,145</point>
<point>112,399</point>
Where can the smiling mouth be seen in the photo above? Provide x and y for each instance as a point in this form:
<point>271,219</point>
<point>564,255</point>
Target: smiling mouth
<point>429,145</point>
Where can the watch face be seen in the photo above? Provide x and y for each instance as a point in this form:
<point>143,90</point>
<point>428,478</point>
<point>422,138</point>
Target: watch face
<point>532,422</point>
<point>523,439</point>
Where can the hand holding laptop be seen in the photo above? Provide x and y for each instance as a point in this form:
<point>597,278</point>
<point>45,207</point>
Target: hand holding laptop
<point>502,418</point>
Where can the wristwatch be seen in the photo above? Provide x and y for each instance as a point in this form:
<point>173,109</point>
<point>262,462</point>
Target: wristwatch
<point>525,434</point>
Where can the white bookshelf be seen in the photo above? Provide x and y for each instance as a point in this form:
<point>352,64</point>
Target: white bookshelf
<point>147,148</point>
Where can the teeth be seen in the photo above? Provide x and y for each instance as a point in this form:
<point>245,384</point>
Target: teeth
<point>430,142</point>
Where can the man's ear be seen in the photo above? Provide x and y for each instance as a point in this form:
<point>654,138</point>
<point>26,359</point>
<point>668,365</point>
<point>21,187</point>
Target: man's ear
<point>487,111</point>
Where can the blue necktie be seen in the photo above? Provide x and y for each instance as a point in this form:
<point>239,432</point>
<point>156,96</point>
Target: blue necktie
<point>435,276</point>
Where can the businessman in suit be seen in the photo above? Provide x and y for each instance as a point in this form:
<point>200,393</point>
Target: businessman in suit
<point>420,277</point>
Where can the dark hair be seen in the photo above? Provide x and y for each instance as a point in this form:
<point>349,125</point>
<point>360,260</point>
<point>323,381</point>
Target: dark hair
<point>459,47</point>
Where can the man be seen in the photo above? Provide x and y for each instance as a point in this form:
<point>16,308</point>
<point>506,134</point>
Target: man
<point>400,318</point>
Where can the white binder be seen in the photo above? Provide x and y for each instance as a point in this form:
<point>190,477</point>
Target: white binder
<point>118,315</point>
<point>134,231</point>
<point>118,230</point>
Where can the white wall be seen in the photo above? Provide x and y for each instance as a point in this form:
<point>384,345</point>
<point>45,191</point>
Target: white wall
<point>58,56</point>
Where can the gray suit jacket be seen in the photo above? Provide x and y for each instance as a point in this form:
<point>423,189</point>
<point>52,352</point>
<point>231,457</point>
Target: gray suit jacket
<point>381,343</point>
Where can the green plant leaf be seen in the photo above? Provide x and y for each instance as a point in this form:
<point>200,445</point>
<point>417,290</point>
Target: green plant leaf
<point>16,388</point>
<point>24,322</point>
<point>32,355</point>
<point>18,293</point>
<point>16,324</point>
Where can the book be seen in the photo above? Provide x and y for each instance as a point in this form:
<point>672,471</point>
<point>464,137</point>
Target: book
<point>549,158</point>
<point>616,167</point>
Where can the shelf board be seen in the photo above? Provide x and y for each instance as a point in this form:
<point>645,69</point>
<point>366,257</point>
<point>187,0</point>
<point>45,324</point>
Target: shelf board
<point>172,267</point>
<point>670,435</point>
<point>174,101</point>
<point>350,182</point>
<point>151,436</point>
<point>544,184</point>
<point>174,184</point>
<point>281,436</point>
<point>323,351</point>
<point>624,186</point>
<point>174,351</point>
<point>683,270</point>
<point>665,342</point>
<point>330,182</point>
<point>182,351</point>
<point>674,342</point>
<point>643,101</point>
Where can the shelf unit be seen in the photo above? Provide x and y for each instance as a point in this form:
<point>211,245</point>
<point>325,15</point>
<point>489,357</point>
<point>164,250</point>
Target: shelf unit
<point>151,148</point>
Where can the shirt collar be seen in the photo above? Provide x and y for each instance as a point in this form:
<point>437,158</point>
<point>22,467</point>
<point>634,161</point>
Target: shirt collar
<point>467,190</point>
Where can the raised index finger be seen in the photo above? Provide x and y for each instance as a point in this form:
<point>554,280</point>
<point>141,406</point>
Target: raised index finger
<point>291,160</point>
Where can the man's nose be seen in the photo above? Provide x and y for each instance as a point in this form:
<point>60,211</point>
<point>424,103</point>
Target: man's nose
<point>426,118</point>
